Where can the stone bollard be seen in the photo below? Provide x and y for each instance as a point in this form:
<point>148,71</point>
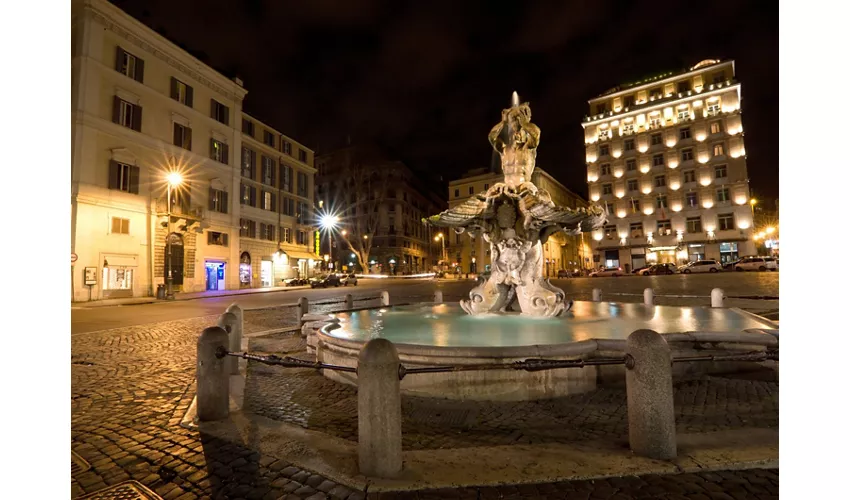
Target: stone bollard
<point>717,297</point>
<point>597,295</point>
<point>303,308</point>
<point>228,322</point>
<point>349,301</point>
<point>213,383</point>
<point>385,298</point>
<point>379,410</point>
<point>438,297</point>
<point>649,393</point>
<point>648,296</point>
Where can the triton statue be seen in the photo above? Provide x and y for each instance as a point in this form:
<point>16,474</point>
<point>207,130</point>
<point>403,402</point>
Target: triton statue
<point>516,218</point>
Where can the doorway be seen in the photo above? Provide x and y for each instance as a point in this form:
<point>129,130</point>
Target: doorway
<point>266,273</point>
<point>215,275</point>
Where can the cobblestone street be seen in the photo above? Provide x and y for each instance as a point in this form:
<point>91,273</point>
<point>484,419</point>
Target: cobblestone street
<point>131,386</point>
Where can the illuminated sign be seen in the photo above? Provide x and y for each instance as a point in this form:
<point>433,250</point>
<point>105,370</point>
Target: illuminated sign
<point>318,244</point>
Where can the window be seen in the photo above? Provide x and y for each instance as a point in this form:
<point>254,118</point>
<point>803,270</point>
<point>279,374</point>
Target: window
<point>129,65</point>
<point>603,150</point>
<point>247,127</point>
<point>723,194</point>
<point>249,163</point>
<point>249,195</point>
<point>247,228</point>
<point>601,108</point>
<point>285,178</point>
<point>218,200</point>
<point>269,201</point>
<point>287,147</point>
<point>629,145</point>
<point>718,77</point>
<point>691,199</point>
<point>216,238</point>
<point>655,139</point>
<point>286,234</point>
<point>719,150</point>
<point>685,133</point>
<point>127,114</point>
<point>683,114</point>
<point>120,226</point>
<point>664,227</point>
<point>471,192</point>
<point>631,165</point>
<point>123,177</point>
<point>660,181</point>
<point>715,127</point>
<point>694,225</point>
<point>628,101</point>
<point>656,93</point>
<point>610,232</point>
<point>632,185</point>
<point>301,215</point>
<point>712,108</point>
<point>268,138</point>
<point>629,129</point>
<point>609,207</point>
<point>606,189</point>
<point>181,92</point>
<point>728,252</point>
<point>182,136</point>
<point>690,176</point>
<point>655,121</point>
<point>661,201</point>
<point>288,206</point>
<point>725,222</point>
<point>219,151</point>
<point>636,229</point>
<point>266,232</point>
<point>302,155</point>
<point>684,86</point>
<point>720,171</point>
<point>687,154</point>
<point>457,193</point>
<point>657,160</point>
<point>302,184</point>
<point>636,206</point>
<point>605,169</point>
<point>219,112</point>
<point>268,170</point>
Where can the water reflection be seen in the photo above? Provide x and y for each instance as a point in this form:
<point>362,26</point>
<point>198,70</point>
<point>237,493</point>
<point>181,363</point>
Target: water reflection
<point>447,325</point>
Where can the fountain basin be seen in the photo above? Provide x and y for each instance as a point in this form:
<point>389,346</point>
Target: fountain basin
<point>443,335</point>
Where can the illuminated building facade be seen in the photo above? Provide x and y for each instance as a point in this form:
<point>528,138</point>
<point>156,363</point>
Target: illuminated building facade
<point>141,108</point>
<point>666,157</point>
<point>472,255</point>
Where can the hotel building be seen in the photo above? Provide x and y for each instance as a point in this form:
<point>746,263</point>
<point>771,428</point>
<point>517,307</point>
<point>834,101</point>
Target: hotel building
<point>466,254</point>
<point>143,108</point>
<point>666,158</point>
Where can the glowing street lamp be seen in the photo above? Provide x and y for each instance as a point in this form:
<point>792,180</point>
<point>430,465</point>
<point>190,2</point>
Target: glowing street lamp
<point>442,239</point>
<point>753,207</point>
<point>173,180</point>
<point>329,222</point>
<point>769,230</point>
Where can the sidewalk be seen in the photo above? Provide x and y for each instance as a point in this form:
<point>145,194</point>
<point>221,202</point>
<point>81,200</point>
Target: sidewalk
<point>184,296</point>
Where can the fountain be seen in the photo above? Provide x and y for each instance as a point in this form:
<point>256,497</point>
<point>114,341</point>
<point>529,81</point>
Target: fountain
<point>516,218</point>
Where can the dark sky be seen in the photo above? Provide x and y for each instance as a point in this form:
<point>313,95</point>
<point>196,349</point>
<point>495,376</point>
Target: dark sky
<point>428,79</point>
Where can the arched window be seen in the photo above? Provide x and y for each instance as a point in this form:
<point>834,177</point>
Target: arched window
<point>245,269</point>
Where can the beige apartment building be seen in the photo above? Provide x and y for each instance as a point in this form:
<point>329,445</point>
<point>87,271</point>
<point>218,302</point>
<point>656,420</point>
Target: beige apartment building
<point>467,254</point>
<point>666,157</point>
<point>143,108</point>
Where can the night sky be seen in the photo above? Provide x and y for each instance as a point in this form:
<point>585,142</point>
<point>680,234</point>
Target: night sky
<point>427,80</point>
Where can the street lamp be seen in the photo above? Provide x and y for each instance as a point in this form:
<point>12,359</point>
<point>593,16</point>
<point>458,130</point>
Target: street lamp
<point>329,222</point>
<point>753,209</point>
<point>172,179</point>
<point>442,239</point>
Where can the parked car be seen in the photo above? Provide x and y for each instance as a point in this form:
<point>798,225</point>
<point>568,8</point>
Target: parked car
<point>609,271</point>
<point>637,271</point>
<point>757,264</point>
<point>701,266</point>
<point>658,269</point>
<point>296,281</point>
<point>324,281</point>
<point>348,279</point>
<point>563,273</point>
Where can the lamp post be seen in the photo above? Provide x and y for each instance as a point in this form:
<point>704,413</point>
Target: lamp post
<point>173,180</point>
<point>442,238</point>
<point>329,222</point>
<point>753,209</point>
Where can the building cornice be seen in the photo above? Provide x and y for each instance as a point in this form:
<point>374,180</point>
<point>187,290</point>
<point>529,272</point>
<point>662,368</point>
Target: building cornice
<point>670,79</point>
<point>118,22</point>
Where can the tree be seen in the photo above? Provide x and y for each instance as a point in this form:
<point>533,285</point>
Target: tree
<point>361,193</point>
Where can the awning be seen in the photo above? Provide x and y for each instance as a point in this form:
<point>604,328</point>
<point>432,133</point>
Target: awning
<point>299,254</point>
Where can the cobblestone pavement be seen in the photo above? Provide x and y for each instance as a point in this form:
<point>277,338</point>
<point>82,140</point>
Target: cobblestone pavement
<point>131,386</point>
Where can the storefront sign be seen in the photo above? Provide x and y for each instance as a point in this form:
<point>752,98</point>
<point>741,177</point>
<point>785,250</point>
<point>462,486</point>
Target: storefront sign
<point>90,276</point>
<point>317,243</point>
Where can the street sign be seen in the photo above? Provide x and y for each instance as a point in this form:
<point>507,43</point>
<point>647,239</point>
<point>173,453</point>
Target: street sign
<point>73,257</point>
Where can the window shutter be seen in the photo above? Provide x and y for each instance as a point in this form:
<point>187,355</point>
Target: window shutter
<point>209,237</point>
<point>189,139</point>
<point>114,175</point>
<point>134,180</point>
<point>190,96</point>
<point>119,58</point>
<point>116,109</point>
<point>224,239</point>
<point>224,202</point>
<point>212,199</point>
<point>178,137</point>
<point>274,201</point>
<point>137,118</point>
<point>140,70</point>
<point>173,88</point>
<point>225,150</point>
<point>212,109</point>
<point>253,196</point>
<point>226,115</point>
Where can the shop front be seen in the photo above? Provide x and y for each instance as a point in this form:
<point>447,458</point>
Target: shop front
<point>245,270</point>
<point>638,258</point>
<point>266,273</point>
<point>118,275</point>
<point>302,263</point>
<point>612,258</point>
<point>728,252</point>
<point>696,251</point>
<point>215,273</point>
<point>661,255</point>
